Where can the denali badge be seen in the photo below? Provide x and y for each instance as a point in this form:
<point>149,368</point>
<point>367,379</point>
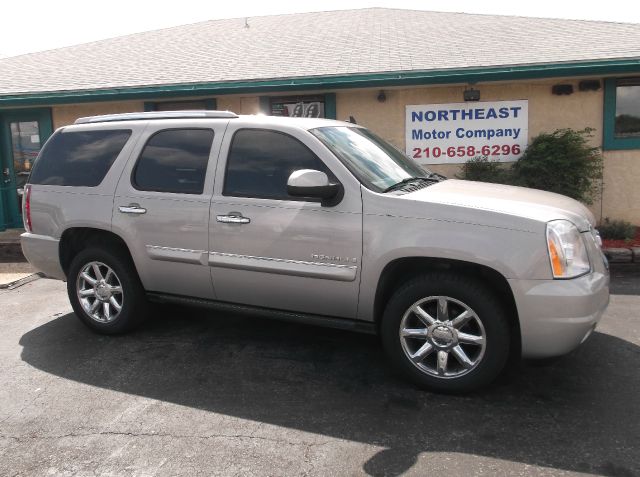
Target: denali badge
<point>333,258</point>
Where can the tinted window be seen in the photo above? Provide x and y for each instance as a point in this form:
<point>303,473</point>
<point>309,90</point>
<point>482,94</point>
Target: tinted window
<point>174,160</point>
<point>78,158</point>
<point>260,163</point>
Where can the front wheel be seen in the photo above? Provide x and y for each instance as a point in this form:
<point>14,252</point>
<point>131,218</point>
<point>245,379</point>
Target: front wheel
<point>446,332</point>
<point>105,291</point>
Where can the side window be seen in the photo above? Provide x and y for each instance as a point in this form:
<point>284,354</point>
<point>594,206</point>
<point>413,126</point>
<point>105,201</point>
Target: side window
<point>261,161</point>
<point>174,160</point>
<point>78,158</point>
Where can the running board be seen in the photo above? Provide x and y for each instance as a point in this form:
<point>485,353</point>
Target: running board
<point>281,315</point>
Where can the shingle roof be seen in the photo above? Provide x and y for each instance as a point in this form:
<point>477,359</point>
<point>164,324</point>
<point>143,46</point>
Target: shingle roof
<point>316,44</point>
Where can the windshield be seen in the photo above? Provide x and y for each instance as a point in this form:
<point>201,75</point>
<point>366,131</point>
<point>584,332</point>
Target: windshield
<point>375,162</point>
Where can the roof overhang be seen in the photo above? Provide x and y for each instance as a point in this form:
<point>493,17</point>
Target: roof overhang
<point>624,66</point>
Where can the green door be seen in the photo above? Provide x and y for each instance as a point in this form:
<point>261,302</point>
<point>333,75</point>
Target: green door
<point>22,133</point>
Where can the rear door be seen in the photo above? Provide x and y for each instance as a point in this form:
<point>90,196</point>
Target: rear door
<point>161,205</point>
<point>273,250</point>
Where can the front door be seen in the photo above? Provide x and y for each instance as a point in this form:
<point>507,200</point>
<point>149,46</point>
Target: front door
<point>272,250</point>
<point>22,134</point>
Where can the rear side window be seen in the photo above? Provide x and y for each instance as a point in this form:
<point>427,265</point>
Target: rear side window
<point>174,160</point>
<point>78,158</point>
<point>260,163</point>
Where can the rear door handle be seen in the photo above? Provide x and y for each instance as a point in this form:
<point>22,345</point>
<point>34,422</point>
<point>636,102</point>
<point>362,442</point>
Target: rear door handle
<point>233,218</point>
<point>132,209</point>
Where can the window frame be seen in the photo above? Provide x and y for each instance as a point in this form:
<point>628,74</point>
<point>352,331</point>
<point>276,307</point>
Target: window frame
<point>609,141</point>
<point>332,176</point>
<point>132,178</point>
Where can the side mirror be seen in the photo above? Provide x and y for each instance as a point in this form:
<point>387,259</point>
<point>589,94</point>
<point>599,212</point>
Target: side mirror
<point>312,183</point>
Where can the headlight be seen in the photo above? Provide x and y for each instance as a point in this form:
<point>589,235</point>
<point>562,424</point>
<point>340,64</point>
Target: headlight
<point>567,252</point>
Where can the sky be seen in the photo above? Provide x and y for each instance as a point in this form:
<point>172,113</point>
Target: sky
<point>38,25</point>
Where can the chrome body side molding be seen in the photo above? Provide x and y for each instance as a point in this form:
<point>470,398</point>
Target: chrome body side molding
<point>280,266</point>
<point>300,268</point>
<point>181,255</point>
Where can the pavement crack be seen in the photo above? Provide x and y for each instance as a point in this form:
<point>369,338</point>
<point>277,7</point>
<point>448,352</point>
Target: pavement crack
<point>161,435</point>
<point>308,460</point>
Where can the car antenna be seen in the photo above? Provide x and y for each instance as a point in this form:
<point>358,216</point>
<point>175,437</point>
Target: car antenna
<point>352,120</point>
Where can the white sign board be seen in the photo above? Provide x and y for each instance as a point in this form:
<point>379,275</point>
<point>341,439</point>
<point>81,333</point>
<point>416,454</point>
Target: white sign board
<point>456,132</point>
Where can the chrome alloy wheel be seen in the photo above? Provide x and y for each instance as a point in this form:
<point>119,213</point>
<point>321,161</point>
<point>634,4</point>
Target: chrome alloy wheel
<point>99,292</point>
<point>442,337</point>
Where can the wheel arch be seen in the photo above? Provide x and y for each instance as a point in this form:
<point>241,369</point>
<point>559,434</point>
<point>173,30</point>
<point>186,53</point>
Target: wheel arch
<point>74,239</point>
<point>400,270</point>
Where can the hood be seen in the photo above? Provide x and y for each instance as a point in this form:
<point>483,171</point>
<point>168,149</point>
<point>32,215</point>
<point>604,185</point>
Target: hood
<point>517,201</point>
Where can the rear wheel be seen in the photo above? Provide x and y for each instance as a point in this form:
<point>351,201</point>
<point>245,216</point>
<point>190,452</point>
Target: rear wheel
<point>105,291</point>
<point>446,332</point>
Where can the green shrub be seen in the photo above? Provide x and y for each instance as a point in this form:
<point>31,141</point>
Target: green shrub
<point>617,230</point>
<point>562,162</point>
<point>483,170</point>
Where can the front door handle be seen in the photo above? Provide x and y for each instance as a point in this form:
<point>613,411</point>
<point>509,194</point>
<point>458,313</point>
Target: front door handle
<point>233,218</point>
<point>132,209</point>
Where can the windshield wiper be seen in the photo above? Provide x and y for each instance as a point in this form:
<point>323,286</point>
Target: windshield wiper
<point>431,178</point>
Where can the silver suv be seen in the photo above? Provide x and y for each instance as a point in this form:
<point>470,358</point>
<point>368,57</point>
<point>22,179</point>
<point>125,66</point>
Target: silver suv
<point>314,221</point>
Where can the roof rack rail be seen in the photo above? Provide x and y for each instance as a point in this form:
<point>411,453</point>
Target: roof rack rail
<point>196,114</point>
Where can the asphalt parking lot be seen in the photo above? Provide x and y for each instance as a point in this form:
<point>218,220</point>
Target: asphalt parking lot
<point>195,393</point>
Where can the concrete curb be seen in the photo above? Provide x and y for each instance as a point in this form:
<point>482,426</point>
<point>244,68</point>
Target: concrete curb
<point>623,255</point>
<point>21,281</point>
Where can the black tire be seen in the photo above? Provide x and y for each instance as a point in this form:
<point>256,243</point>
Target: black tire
<point>470,292</point>
<point>134,304</point>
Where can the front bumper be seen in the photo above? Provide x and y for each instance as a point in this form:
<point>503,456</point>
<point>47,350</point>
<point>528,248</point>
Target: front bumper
<point>558,315</point>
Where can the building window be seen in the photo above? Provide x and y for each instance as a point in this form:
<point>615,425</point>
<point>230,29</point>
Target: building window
<point>300,106</point>
<point>297,106</point>
<point>627,109</point>
<point>622,114</point>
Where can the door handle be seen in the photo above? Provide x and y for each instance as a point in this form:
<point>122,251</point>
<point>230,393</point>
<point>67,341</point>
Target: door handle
<point>233,218</point>
<point>132,209</point>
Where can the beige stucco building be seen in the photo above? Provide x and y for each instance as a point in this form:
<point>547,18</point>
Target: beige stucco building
<point>368,65</point>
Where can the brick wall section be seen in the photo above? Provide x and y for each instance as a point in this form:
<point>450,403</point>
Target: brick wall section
<point>67,114</point>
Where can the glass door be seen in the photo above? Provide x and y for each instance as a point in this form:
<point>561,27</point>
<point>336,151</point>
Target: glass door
<point>22,134</point>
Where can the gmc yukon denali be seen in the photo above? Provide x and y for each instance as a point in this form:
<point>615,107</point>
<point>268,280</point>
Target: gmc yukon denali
<point>315,221</point>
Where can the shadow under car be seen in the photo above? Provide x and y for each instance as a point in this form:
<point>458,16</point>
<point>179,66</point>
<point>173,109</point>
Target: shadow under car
<point>579,414</point>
